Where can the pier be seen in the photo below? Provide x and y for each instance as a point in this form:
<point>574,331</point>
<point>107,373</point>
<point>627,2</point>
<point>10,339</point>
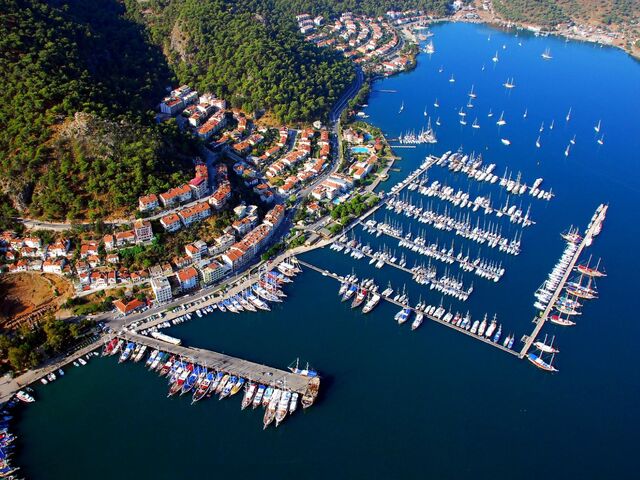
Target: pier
<point>485,340</point>
<point>251,371</point>
<point>592,230</point>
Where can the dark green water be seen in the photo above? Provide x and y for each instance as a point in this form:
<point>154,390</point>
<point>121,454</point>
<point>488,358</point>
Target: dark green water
<point>430,403</point>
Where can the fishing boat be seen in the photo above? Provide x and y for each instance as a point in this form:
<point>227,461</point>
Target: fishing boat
<point>203,388</point>
<point>544,347</point>
<point>585,269</point>
<point>371,303</point>
<point>126,353</point>
<point>237,387</point>
<point>546,55</point>
<point>311,393</point>
<point>539,362</point>
<point>257,400</point>
<point>108,347</point>
<point>249,392</point>
<point>417,321</point>
<point>283,407</point>
<point>25,397</point>
<point>223,383</point>
<point>270,411</point>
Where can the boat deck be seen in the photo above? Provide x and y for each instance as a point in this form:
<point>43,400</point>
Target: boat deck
<point>246,369</point>
<point>541,320</point>
<point>485,340</point>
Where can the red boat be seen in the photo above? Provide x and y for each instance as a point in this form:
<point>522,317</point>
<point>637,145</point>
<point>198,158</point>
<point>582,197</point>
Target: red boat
<point>109,347</point>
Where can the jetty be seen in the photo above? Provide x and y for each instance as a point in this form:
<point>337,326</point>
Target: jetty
<point>251,371</point>
<point>592,230</point>
<point>485,340</point>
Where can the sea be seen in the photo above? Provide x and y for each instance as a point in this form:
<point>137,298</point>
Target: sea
<point>431,403</point>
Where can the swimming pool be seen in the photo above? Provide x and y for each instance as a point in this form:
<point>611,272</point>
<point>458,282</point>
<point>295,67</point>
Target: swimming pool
<point>360,150</point>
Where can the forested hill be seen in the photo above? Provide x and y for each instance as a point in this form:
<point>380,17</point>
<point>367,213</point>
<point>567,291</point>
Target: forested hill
<point>60,57</point>
<point>552,12</point>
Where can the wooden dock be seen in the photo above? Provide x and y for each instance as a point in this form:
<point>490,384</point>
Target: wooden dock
<point>541,320</point>
<point>485,340</point>
<point>250,371</point>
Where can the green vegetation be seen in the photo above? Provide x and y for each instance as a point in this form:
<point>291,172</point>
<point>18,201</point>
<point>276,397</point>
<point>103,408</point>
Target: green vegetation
<point>246,53</point>
<point>354,207</point>
<point>66,56</point>
<point>27,347</point>
<point>539,12</point>
<point>372,8</point>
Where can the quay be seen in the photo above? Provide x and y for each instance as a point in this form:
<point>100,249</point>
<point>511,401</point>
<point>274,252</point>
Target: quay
<point>251,371</point>
<point>539,321</point>
<point>485,340</point>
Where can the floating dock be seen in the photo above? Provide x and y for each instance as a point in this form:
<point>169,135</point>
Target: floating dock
<point>592,231</point>
<point>250,371</point>
<point>485,340</point>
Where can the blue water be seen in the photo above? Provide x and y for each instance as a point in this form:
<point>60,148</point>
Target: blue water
<point>431,403</point>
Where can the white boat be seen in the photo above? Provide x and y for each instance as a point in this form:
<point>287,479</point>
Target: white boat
<point>568,117</point>
<point>452,79</point>
<point>495,58</point>
<point>538,142</point>
<point>505,141</point>
<point>597,127</point>
<point>546,55</point>
<point>501,121</point>
<point>601,140</point>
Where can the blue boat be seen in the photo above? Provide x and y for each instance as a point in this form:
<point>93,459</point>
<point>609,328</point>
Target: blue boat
<point>496,337</point>
<point>511,342</point>
<point>191,380</point>
<point>227,388</point>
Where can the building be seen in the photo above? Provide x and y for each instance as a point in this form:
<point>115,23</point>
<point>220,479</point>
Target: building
<point>161,289</point>
<point>193,214</point>
<point>176,195</point>
<point>171,222</point>
<point>188,278</point>
<point>222,243</point>
<point>199,187</point>
<point>274,217</point>
<point>147,203</point>
<point>143,231</point>
<point>210,271</point>
<point>129,307</point>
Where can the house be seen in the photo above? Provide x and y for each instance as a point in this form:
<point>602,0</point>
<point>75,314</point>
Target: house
<point>109,242</point>
<point>171,222</point>
<point>147,203</point>
<point>220,197</point>
<point>223,242</point>
<point>234,257</point>
<point>199,186</point>
<point>274,217</point>
<point>171,105</point>
<point>176,195</point>
<point>161,289</point>
<point>243,225</point>
<point>53,266</point>
<point>188,278</point>
<point>143,231</point>
<point>113,258</point>
<point>59,248</point>
<point>129,307</point>
<point>88,248</point>
<point>210,271</point>
<point>127,237</point>
<point>194,214</point>
<point>193,252</point>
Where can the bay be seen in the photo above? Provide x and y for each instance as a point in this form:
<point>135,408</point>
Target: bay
<point>430,403</point>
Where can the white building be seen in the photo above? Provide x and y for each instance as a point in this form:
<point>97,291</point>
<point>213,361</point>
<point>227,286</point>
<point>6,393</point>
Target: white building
<point>161,289</point>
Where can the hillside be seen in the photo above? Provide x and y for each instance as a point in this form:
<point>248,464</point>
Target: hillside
<point>66,56</point>
<point>551,12</point>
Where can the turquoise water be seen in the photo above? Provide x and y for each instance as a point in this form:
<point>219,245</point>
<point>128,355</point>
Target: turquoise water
<point>431,403</point>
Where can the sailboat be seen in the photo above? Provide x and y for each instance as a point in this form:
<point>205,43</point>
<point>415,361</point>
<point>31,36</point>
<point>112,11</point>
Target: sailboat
<point>441,69</point>
<point>597,127</point>
<point>547,54</point>
<point>509,83</point>
<point>462,121</point>
<point>495,58</point>
<point>436,104</point>
<point>524,115</point>
<point>451,80</point>
<point>472,93</point>
<point>430,48</point>
<point>566,152</point>
<point>538,142</point>
<point>501,121</point>
<point>568,117</point>
<point>539,362</point>
<point>505,141</point>
<point>573,140</point>
<point>601,140</point>
<point>541,127</point>
<point>438,121</point>
<point>551,125</point>
<point>475,123</point>
<point>490,114</point>
<point>401,107</point>
<point>425,111</point>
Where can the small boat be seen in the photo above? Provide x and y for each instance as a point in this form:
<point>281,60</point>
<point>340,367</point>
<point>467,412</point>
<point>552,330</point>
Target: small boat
<point>452,79</point>
<point>538,142</point>
<point>597,127</point>
<point>495,58</point>
<point>436,104</point>
<point>501,121</point>
<point>505,141</point>
<point>294,403</point>
<point>568,117</point>
<point>250,391</point>
<point>546,55</point>
<point>601,140</point>
<point>566,150</point>
<point>25,397</point>
<point>257,400</point>
<point>573,140</point>
<point>417,321</point>
<point>401,107</point>
<point>236,388</point>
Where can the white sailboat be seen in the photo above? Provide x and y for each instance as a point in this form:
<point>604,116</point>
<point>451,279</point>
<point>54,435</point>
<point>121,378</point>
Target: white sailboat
<point>475,123</point>
<point>538,142</point>
<point>547,54</point>
<point>568,117</point>
<point>601,140</point>
<point>505,141</point>
<point>425,111</point>
<point>597,127</point>
<point>472,93</point>
<point>452,80</point>
<point>436,104</point>
<point>524,115</point>
<point>490,114</point>
<point>541,127</point>
<point>495,58</point>
<point>501,121</point>
<point>551,125</point>
<point>509,83</point>
<point>438,121</point>
<point>401,107</point>
<point>566,152</point>
<point>573,140</point>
